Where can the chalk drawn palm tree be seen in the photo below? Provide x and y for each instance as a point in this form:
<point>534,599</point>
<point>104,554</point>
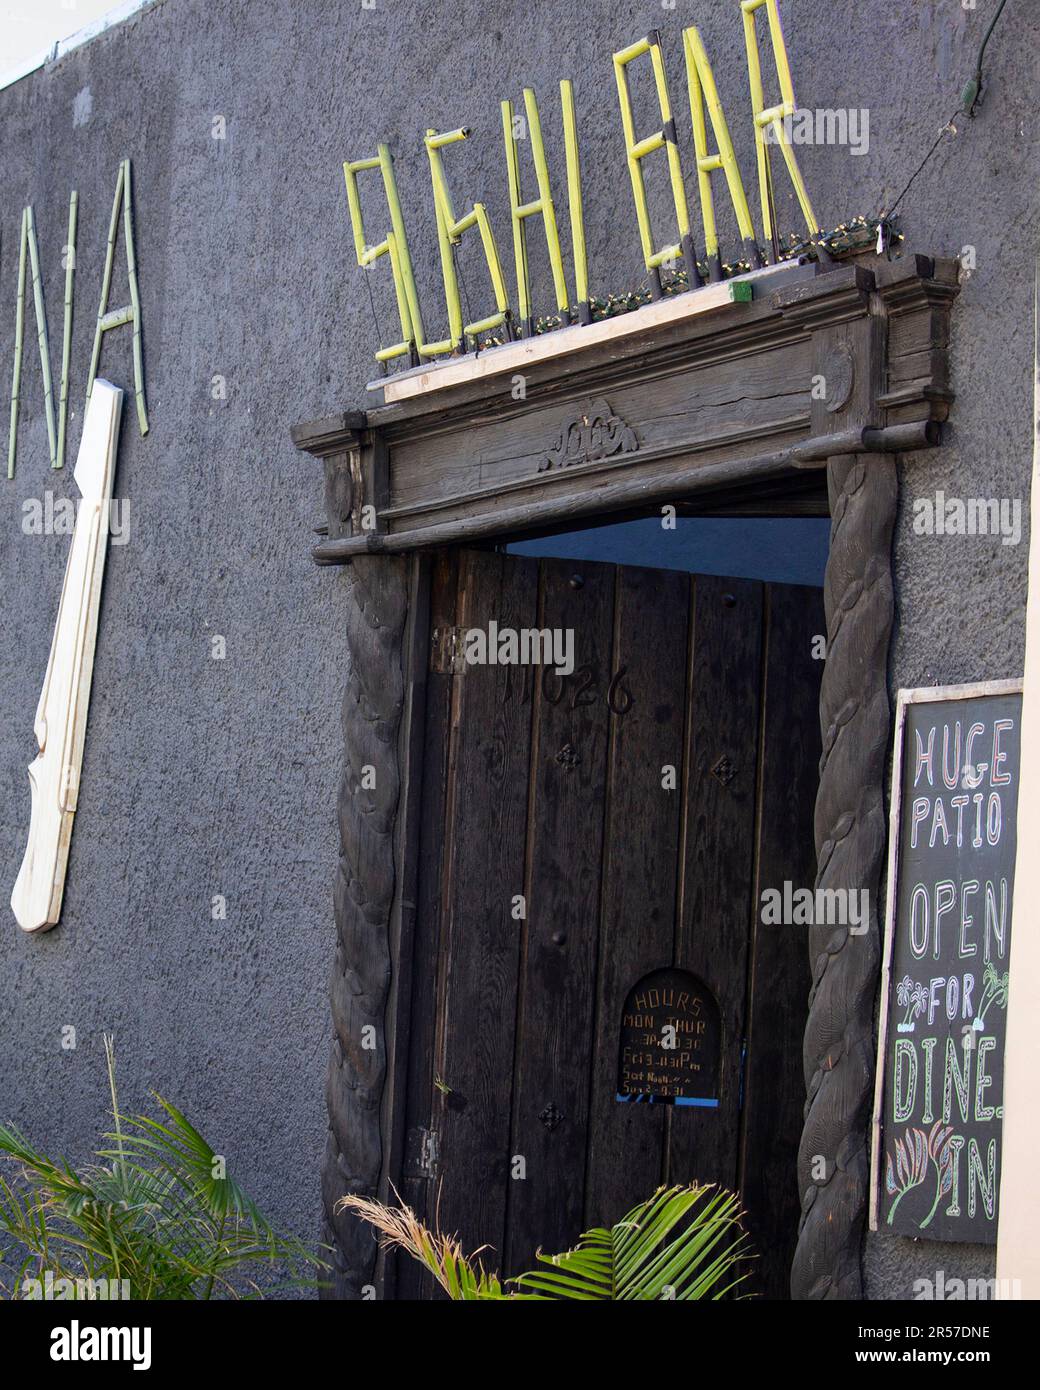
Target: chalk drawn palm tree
<point>914,999</point>
<point>910,1168</point>
<point>994,991</point>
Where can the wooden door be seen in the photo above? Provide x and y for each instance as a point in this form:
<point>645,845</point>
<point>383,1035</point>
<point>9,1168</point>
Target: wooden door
<point>582,834</point>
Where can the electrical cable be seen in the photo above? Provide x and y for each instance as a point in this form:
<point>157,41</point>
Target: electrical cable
<point>969,101</point>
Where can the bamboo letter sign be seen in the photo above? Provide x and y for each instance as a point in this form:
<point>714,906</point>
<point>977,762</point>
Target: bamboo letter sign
<point>61,716</point>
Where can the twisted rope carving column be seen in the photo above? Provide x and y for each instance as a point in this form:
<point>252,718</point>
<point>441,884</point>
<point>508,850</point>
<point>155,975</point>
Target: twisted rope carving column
<point>850,827</point>
<point>376,606</point>
<point>374,610</point>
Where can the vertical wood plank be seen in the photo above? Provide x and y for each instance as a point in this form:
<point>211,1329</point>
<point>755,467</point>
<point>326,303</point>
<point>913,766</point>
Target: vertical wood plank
<point>637,909</point>
<point>558,973</point>
<point>779,976</point>
<point>479,959</point>
<point>718,840</point>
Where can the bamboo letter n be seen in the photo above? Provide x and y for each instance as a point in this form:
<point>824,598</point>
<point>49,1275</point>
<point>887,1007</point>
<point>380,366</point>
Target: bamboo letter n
<point>449,234</point>
<point>28,246</point>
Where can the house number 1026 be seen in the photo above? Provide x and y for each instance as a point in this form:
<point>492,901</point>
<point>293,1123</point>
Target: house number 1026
<point>582,688</point>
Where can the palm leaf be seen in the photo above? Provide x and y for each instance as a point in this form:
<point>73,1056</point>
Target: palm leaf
<point>155,1214</point>
<point>463,1278</point>
<point>684,1243</point>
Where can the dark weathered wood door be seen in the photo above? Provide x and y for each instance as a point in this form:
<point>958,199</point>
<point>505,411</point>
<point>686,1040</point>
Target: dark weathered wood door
<point>579,834</point>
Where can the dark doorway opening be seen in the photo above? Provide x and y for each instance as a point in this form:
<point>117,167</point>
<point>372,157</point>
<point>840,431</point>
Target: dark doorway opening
<point>584,831</point>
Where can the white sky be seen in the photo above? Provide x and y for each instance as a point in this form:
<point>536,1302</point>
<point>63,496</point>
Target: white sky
<point>28,26</point>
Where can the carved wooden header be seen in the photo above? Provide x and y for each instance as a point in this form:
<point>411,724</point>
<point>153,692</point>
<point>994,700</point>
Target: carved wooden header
<point>818,362</point>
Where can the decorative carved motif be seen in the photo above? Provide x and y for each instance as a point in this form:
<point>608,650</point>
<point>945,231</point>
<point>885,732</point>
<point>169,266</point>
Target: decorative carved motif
<point>838,1054</point>
<point>568,757</point>
<point>596,433</point>
<point>552,1116</point>
<point>725,770</point>
<point>841,378</point>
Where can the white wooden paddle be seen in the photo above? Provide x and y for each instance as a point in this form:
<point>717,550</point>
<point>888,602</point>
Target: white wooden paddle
<point>61,716</point>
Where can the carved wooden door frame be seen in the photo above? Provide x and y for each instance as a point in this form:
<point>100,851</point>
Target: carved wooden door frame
<point>875,338</point>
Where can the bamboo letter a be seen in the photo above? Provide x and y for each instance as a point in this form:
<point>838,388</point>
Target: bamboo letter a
<point>131,313</point>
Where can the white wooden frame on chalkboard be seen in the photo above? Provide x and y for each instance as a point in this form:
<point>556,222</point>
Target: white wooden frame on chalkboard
<point>922,696</point>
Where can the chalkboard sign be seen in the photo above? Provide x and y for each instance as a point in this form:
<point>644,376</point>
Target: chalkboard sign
<point>670,1035</point>
<point>940,1083</point>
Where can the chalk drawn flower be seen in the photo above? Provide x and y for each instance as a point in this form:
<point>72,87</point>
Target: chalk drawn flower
<point>994,991</point>
<point>940,1155</point>
<point>910,1168</point>
<point>913,997</point>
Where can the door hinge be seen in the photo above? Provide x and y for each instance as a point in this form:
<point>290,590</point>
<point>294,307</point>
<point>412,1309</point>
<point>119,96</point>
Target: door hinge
<point>422,1153</point>
<point>446,651</point>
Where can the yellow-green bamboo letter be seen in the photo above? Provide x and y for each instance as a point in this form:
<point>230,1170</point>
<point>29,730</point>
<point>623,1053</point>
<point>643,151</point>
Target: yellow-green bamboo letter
<point>394,245</point>
<point>130,314</point>
<point>638,149</point>
<point>772,118</point>
<point>28,247</point>
<point>449,233</point>
<point>704,93</point>
<point>542,205</point>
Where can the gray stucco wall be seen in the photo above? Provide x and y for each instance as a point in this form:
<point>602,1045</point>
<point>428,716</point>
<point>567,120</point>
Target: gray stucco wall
<point>206,777</point>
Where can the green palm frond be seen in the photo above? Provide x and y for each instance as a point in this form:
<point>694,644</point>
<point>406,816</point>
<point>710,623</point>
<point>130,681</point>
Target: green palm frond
<point>158,1210</point>
<point>684,1243</point>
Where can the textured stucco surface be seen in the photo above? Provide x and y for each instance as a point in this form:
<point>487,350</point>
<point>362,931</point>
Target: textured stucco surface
<point>206,777</point>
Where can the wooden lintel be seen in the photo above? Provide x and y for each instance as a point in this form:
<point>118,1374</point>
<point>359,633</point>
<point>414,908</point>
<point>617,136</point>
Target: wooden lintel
<point>824,362</point>
<point>628,493</point>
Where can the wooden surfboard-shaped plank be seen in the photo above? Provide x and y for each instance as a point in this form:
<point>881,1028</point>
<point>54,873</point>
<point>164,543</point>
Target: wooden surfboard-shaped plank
<point>61,716</point>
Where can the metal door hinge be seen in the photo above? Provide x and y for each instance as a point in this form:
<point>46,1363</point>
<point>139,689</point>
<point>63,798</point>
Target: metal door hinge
<point>446,651</point>
<point>422,1152</point>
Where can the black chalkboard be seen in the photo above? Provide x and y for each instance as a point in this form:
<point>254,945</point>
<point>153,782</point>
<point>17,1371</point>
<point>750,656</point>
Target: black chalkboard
<point>944,1009</point>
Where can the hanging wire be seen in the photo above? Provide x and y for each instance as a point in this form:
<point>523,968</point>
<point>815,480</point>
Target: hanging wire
<point>465,293</point>
<point>970,95</point>
<point>948,129</point>
<point>969,101</point>
<point>375,316</point>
